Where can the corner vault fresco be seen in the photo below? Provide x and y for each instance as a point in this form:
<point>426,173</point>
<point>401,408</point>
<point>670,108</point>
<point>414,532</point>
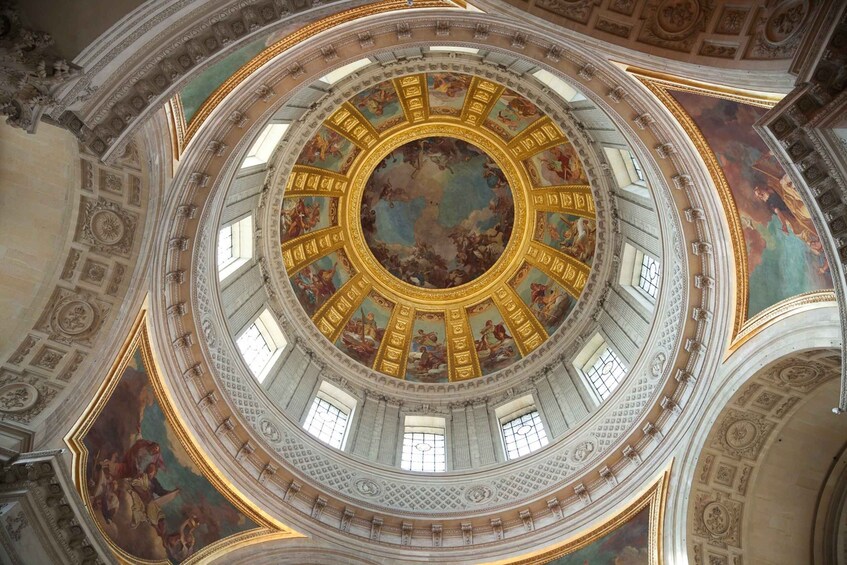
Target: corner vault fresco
<point>427,221</point>
<point>626,545</point>
<point>778,229</point>
<point>144,490</point>
<point>437,212</point>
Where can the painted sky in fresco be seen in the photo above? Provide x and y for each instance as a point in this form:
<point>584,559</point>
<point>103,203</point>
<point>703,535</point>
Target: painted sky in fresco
<point>120,448</point>
<point>627,545</point>
<point>554,166</point>
<point>380,105</point>
<point>427,361</point>
<point>437,212</point>
<point>784,254</point>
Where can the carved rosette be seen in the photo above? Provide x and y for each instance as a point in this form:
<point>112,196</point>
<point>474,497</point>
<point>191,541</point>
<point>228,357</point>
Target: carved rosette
<point>73,317</point>
<point>742,434</point>
<point>106,227</point>
<point>676,24</point>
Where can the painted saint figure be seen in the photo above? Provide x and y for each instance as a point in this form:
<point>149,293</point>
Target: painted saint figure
<point>299,218</point>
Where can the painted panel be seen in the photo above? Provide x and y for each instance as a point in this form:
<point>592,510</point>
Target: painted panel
<point>784,253</point>
<point>146,493</point>
<point>511,114</point>
<point>364,331</point>
<point>428,353</point>
<point>437,212</point>
<point>557,165</point>
<point>573,235</point>
<point>548,301</point>
<point>447,92</point>
<point>195,93</point>
<point>380,106</point>
<point>328,150</point>
<point>317,282</point>
<point>495,347</point>
<point>626,545</point>
<point>305,215</point>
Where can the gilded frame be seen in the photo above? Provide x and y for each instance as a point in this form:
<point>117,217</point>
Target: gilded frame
<point>743,328</point>
<point>654,497</point>
<point>138,338</point>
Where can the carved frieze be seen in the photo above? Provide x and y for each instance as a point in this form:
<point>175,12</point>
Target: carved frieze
<point>73,316</point>
<point>106,227</point>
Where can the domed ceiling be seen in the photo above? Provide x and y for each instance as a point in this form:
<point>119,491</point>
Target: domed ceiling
<point>437,227</point>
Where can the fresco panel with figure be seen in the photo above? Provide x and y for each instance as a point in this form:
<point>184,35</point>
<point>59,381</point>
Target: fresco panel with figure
<point>784,253</point>
<point>145,491</point>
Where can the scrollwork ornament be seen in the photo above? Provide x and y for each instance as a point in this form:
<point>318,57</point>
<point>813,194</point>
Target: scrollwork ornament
<point>368,487</point>
<point>479,494</point>
<point>269,431</point>
<point>17,397</point>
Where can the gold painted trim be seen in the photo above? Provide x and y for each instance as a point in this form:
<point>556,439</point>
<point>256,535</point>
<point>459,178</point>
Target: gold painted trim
<point>481,97</point>
<point>542,134</point>
<point>462,358</point>
<point>527,331</point>
<point>393,288</point>
<point>393,354</point>
<point>289,41</point>
<point>176,124</point>
<point>744,328</point>
<point>138,339</point>
<point>654,497</point>
<point>312,181</point>
<point>569,272</point>
<point>756,98</point>
<point>308,248</point>
<point>348,122</point>
<point>575,199</point>
<point>778,312</point>
<point>660,89</point>
<point>413,93</point>
<point>334,314</point>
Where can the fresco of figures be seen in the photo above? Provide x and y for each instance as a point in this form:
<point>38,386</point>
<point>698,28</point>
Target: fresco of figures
<point>145,491</point>
<point>447,92</point>
<point>547,301</point>
<point>495,347</point>
<point>511,114</point>
<point>300,216</point>
<point>626,545</point>
<point>380,106</point>
<point>328,150</point>
<point>315,283</point>
<point>437,212</point>
<point>427,362</point>
<point>778,228</point>
<point>574,235</point>
<point>557,165</point>
<point>363,333</point>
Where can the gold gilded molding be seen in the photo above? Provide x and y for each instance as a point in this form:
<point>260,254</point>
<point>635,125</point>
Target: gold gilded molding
<point>348,122</point>
<point>462,360</point>
<point>410,300</point>
<point>138,339</point>
<point>414,97</point>
<point>481,97</point>
<point>573,199</point>
<point>540,135</point>
<point>660,85</point>
<point>312,181</point>
<point>778,312</point>
<point>334,314</point>
<point>426,298</point>
<point>653,497</point>
<point>394,349</point>
<point>569,272</point>
<point>526,330</point>
<point>289,41</point>
<point>303,250</point>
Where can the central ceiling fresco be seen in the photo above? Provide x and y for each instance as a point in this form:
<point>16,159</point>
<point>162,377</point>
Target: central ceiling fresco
<point>437,227</point>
